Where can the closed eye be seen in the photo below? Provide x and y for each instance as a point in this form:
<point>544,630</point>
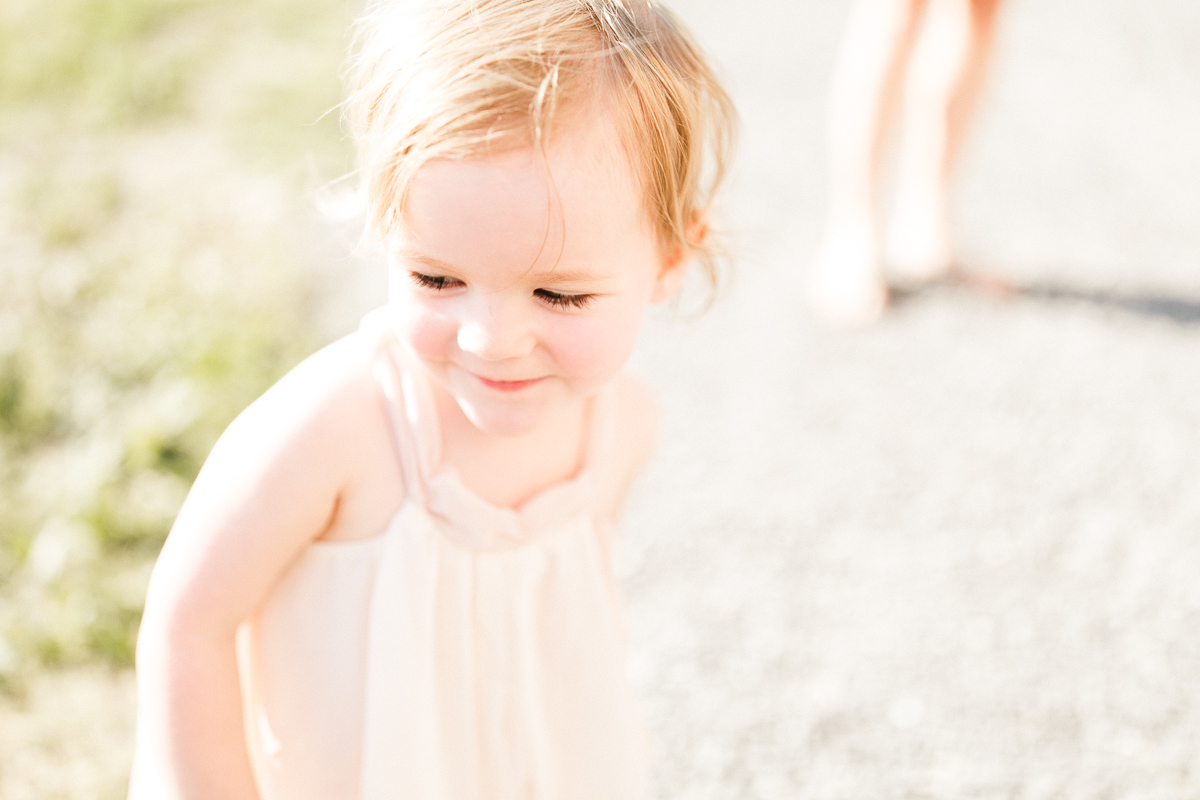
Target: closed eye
<point>564,300</point>
<point>435,282</point>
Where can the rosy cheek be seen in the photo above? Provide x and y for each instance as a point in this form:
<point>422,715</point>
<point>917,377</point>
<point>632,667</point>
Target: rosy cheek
<point>427,333</point>
<point>595,347</point>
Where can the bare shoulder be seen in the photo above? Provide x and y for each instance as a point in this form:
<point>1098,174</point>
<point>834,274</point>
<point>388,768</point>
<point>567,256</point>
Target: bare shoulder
<point>316,396</point>
<point>637,416</point>
<point>321,432</point>
<point>276,480</point>
<point>633,436</point>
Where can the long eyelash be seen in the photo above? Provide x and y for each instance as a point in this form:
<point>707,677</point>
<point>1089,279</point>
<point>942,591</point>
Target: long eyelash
<point>435,282</point>
<point>564,300</point>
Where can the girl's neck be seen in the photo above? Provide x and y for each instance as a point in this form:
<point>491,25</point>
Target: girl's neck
<point>508,470</point>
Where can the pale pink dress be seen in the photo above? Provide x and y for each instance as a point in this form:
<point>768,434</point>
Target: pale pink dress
<point>467,652</point>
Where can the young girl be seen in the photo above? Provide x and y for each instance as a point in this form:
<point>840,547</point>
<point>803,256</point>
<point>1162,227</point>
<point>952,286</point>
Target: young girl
<point>393,577</point>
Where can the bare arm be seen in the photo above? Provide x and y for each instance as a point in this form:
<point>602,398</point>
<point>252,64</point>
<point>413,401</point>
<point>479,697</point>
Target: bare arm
<point>271,485</point>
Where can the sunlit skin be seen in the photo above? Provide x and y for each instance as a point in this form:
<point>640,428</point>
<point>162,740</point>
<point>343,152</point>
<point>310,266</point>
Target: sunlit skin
<point>518,283</point>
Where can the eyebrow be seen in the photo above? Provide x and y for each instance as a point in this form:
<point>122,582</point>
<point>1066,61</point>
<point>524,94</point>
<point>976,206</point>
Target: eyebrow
<point>428,261</point>
<point>549,276</point>
<point>565,277</point>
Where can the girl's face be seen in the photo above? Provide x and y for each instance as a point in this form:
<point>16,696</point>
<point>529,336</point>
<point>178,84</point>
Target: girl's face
<point>520,279</point>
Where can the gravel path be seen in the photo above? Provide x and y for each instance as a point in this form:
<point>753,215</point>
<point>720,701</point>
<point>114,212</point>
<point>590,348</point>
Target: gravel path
<point>950,556</point>
<point>953,555</point>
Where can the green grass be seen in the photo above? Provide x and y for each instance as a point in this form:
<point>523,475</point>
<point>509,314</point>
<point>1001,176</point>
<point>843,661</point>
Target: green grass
<point>157,279</point>
<point>97,56</point>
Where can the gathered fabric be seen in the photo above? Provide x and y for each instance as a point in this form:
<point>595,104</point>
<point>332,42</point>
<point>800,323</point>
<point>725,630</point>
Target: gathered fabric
<point>468,652</point>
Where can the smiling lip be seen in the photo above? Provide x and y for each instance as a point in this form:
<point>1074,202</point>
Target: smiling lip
<point>507,386</point>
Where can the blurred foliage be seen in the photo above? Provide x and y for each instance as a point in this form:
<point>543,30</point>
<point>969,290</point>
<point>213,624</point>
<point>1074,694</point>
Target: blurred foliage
<point>158,273</point>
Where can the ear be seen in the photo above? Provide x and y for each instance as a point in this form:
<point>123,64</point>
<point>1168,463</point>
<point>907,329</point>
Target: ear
<point>675,263</point>
<point>670,274</point>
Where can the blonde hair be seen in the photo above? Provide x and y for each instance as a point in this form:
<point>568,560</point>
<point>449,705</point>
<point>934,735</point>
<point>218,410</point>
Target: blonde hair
<point>462,78</point>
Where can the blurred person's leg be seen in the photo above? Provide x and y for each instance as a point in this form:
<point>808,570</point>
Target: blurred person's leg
<point>940,92</point>
<point>846,282</point>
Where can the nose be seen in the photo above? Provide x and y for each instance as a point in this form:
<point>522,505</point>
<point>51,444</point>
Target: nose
<point>494,330</point>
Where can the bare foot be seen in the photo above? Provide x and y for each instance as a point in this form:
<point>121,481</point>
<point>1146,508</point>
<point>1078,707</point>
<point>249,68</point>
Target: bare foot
<point>845,287</point>
<point>917,246</point>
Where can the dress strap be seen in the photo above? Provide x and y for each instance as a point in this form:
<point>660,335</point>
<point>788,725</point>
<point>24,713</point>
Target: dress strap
<point>402,407</point>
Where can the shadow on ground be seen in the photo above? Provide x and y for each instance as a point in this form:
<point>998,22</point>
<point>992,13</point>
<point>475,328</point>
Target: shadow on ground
<point>1179,309</point>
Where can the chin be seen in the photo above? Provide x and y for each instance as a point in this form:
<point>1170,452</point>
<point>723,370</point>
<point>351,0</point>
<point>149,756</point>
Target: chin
<point>503,421</point>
